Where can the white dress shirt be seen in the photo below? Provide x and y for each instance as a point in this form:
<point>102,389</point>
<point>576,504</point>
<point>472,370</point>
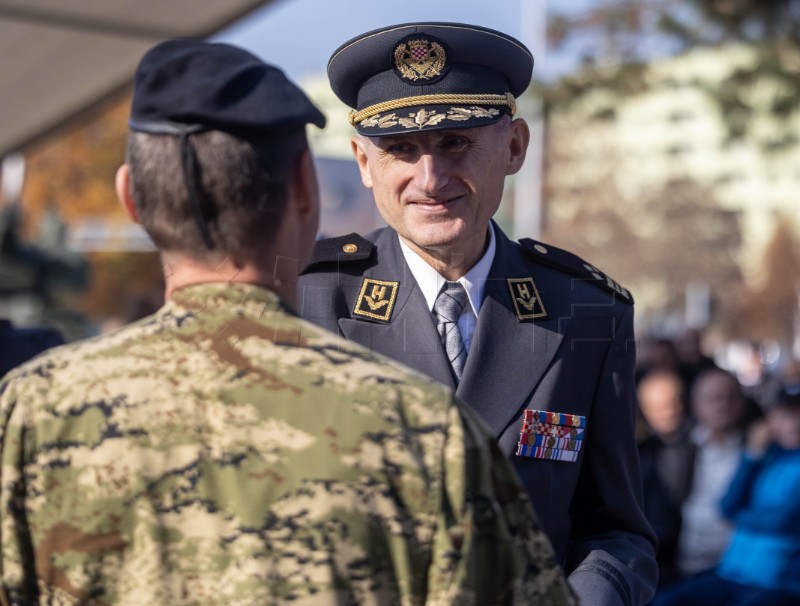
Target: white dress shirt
<point>431,281</point>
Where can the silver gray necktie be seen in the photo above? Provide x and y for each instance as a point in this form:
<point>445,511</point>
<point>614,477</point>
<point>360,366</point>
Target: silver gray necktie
<point>448,307</point>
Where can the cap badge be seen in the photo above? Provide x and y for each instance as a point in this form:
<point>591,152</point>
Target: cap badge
<point>376,299</point>
<point>419,59</point>
<point>527,302</point>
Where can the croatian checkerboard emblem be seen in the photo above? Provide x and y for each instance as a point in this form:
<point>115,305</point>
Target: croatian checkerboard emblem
<point>419,59</point>
<point>527,302</point>
<point>376,299</point>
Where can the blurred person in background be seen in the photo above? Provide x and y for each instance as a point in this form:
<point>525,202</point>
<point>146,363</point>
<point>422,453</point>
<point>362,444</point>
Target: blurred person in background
<point>656,353</point>
<point>790,377</point>
<point>761,566</point>
<point>692,358</point>
<point>19,344</point>
<point>222,450</point>
<point>759,385</point>
<point>785,380</point>
<point>667,454</point>
<point>719,411</point>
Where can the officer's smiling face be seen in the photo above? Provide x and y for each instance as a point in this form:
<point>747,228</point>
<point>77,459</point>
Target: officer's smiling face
<point>438,189</point>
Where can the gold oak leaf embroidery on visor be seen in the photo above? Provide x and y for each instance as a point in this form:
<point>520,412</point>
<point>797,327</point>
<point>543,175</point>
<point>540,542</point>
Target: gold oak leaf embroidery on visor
<point>463,113</point>
<point>424,117</point>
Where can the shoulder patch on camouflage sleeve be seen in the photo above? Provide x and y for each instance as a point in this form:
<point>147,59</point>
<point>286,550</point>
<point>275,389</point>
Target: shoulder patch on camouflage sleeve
<point>574,265</point>
<point>342,249</point>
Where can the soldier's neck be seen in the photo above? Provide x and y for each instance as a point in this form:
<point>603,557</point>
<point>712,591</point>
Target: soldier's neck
<point>180,270</point>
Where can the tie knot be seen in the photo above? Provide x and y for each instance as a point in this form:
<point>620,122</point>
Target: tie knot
<point>450,302</point>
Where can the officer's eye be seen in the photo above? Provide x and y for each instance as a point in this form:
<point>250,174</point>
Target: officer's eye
<point>454,143</point>
<point>398,147</point>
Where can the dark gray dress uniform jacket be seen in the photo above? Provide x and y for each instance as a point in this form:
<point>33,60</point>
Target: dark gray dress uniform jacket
<point>575,357</point>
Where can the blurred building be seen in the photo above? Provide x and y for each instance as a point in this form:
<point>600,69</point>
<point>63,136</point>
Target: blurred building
<point>673,130</point>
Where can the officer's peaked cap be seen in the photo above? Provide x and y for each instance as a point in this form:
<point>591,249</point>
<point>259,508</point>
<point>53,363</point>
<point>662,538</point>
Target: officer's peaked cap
<point>424,76</point>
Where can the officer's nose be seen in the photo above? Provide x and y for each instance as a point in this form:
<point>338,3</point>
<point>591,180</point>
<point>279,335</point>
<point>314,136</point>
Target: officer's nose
<point>431,174</point>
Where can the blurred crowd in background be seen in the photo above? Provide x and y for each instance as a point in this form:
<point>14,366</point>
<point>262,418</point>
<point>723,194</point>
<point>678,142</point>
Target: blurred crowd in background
<point>700,427</point>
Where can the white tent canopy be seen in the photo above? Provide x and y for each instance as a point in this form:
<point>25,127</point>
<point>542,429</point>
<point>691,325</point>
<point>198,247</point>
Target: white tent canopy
<point>60,58</point>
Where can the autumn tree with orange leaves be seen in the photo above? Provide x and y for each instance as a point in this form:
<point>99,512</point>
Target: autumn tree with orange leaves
<point>771,310</point>
<point>72,174</point>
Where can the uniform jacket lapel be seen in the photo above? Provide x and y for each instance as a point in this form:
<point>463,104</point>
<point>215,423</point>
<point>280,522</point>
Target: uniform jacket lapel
<point>508,356</point>
<point>410,337</point>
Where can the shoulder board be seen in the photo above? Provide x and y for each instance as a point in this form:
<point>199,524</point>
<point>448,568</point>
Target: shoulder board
<point>574,265</point>
<point>341,249</point>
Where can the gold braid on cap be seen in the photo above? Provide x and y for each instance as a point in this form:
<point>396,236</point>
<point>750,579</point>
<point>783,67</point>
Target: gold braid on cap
<point>442,99</point>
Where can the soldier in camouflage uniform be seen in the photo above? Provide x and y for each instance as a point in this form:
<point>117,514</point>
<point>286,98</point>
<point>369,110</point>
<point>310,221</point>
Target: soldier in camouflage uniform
<point>224,451</point>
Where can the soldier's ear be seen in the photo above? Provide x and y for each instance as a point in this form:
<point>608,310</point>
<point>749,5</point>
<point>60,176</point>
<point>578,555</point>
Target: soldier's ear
<point>358,145</point>
<point>123,187</point>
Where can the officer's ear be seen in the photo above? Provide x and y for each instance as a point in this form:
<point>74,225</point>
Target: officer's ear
<point>304,186</point>
<point>123,187</point>
<point>519,137</point>
<point>359,146</point>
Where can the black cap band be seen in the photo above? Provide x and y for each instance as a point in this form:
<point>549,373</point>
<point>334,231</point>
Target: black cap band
<point>191,177</point>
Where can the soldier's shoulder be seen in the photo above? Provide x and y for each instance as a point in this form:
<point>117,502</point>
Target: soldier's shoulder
<point>346,358</point>
<point>78,360</point>
<point>351,248</point>
<point>573,265</point>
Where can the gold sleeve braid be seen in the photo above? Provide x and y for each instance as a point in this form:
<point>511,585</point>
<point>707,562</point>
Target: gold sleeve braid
<point>442,99</point>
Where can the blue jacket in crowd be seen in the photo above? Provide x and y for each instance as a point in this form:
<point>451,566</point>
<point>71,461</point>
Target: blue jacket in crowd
<point>763,502</point>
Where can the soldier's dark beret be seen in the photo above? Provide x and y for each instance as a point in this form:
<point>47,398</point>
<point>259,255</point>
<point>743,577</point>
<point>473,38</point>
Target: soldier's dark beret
<point>425,76</point>
<point>192,85</point>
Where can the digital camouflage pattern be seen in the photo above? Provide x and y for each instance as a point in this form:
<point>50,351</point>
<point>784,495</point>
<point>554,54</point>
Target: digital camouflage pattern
<point>223,451</point>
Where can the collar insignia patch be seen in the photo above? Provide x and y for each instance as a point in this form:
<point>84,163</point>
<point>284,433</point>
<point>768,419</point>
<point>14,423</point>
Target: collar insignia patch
<point>527,302</point>
<point>376,299</point>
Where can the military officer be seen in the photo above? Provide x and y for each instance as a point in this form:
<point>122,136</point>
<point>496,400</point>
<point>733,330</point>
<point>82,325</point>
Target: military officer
<point>224,451</point>
<point>535,339</point>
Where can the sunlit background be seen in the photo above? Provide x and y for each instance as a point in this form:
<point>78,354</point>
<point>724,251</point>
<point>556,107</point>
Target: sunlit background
<point>666,150</point>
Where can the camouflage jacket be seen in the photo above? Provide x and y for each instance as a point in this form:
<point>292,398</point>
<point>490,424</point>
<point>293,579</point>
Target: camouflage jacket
<point>224,451</point>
